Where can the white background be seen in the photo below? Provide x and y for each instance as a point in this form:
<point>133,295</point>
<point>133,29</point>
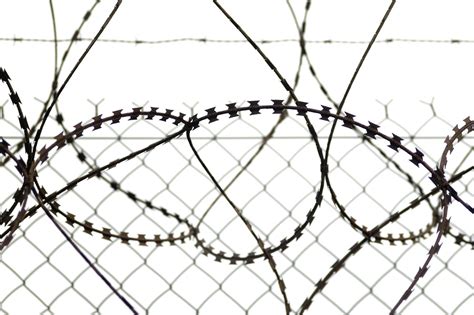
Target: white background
<point>406,75</point>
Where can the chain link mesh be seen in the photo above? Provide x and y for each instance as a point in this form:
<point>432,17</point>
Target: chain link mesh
<point>41,274</point>
<point>161,232</point>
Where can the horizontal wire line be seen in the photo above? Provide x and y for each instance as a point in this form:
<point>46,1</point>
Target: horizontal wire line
<point>238,41</point>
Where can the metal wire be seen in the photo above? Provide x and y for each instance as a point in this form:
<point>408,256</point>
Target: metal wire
<point>233,209</point>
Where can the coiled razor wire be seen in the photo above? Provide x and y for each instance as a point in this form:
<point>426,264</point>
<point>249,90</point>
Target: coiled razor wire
<point>192,228</point>
<point>370,130</point>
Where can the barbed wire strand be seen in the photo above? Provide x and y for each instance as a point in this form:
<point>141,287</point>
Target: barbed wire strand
<point>280,107</point>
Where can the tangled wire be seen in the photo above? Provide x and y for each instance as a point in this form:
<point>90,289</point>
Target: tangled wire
<point>48,202</point>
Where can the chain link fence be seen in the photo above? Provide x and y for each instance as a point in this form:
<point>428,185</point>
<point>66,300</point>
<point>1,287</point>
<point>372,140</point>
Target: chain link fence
<point>213,207</point>
<point>41,274</point>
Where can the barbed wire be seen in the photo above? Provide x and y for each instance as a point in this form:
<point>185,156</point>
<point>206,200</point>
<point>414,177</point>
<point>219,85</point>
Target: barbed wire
<point>235,41</point>
<point>27,160</point>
